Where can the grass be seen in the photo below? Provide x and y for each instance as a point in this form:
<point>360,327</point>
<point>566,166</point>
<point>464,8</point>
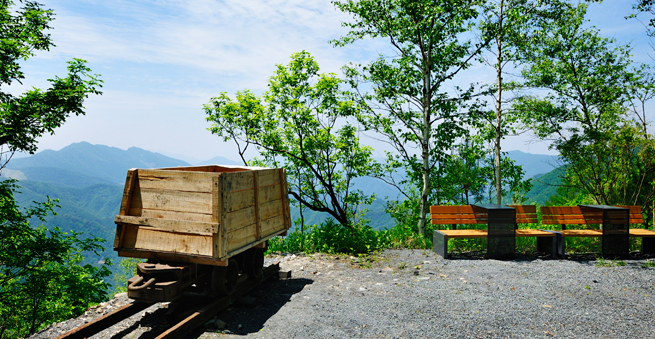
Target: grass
<point>601,262</point>
<point>648,264</point>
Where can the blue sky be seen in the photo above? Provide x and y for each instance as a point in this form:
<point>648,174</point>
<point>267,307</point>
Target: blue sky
<point>162,60</point>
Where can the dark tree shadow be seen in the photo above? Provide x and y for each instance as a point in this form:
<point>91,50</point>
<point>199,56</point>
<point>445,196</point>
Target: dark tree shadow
<point>268,300</point>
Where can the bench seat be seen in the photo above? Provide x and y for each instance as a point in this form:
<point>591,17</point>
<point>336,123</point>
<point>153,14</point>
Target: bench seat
<point>547,241</point>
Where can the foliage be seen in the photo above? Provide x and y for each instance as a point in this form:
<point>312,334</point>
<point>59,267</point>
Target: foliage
<point>41,279</point>
<point>332,237</point>
<point>507,24</point>
<point>41,276</point>
<point>609,156</point>
<point>645,6</point>
<point>25,118</point>
<point>301,126</point>
<point>126,270</point>
<point>409,103</point>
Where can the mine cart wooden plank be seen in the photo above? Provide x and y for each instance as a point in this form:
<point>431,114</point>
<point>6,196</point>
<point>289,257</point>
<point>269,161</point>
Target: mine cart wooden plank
<point>202,213</point>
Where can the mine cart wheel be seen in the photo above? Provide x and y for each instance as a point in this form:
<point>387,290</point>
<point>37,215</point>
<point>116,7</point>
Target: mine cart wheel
<point>254,263</point>
<point>224,278</point>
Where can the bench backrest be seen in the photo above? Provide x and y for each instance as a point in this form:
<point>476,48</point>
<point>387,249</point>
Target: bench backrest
<point>526,214</point>
<point>567,215</point>
<point>574,215</point>
<point>636,217</point>
<point>462,214</point>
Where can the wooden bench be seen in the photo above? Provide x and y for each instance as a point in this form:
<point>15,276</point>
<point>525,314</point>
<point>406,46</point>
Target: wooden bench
<point>498,241</point>
<point>615,230</point>
<point>525,214</point>
<point>647,236</point>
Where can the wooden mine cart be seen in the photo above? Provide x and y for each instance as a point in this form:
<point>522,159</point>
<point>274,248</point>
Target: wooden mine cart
<point>209,222</point>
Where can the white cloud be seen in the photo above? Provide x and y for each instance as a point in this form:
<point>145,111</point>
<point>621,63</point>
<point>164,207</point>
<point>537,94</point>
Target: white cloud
<point>162,60</point>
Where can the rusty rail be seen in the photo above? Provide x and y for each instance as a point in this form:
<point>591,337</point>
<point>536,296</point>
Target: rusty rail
<point>106,321</point>
<point>196,319</point>
<point>204,314</point>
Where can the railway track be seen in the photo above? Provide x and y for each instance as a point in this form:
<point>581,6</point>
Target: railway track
<point>197,316</point>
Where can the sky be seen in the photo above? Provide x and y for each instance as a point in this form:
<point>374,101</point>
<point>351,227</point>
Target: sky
<point>161,61</point>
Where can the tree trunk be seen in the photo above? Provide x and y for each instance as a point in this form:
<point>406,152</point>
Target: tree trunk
<point>425,153</point>
<point>499,94</point>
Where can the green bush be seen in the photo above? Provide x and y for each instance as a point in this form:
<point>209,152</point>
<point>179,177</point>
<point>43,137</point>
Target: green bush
<point>332,237</point>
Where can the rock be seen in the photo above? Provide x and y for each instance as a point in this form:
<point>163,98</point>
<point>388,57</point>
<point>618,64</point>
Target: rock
<point>120,295</point>
<point>220,324</point>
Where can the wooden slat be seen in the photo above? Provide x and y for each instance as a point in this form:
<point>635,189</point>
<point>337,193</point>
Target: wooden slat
<point>239,219</point>
<point>176,180</point>
<point>239,200</point>
<point>568,220</point>
<point>462,214</point>
<point>560,210</point>
<point>184,216</point>
<point>152,240</point>
<point>636,215</point>
<point>533,233</point>
<point>526,220</point>
<point>241,237</point>
<point>270,209</point>
<point>528,209</point>
<point>581,233</point>
<point>640,232</point>
<point>456,209</point>
<point>170,256</point>
<point>526,214</point>
<point>169,225</point>
<point>238,181</point>
<point>268,177</point>
<point>270,193</point>
<point>167,200</point>
<point>272,225</point>
<point>465,233</point>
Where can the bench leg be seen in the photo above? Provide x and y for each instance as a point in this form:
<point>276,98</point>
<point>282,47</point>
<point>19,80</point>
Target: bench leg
<point>553,245</point>
<point>648,245</point>
<point>547,245</point>
<point>440,244</point>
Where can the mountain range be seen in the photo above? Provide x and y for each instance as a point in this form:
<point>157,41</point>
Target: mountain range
<point>88,181</point>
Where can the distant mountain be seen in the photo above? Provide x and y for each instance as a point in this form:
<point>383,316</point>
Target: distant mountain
<point>534,164</point>
<point>545,185</point>
<point>106,164</point>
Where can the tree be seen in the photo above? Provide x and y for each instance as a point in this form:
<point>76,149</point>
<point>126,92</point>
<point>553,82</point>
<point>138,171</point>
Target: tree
<point>41,279</point>
<point>585,113</point>
<point>507,24</point>
<point>410,104</point>
<point>645,6</point>
<point>301,124</point>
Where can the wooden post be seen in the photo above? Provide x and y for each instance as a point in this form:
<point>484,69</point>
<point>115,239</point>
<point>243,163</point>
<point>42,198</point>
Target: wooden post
<point>258,219</point>
<point>132,175</point>
<point>285,198</point>
<point>217,213</point>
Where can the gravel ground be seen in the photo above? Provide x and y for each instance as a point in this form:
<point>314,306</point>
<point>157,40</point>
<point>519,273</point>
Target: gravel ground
<point>413,294</point>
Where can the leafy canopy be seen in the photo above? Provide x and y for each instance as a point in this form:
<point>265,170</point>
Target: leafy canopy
<point>301,124</point>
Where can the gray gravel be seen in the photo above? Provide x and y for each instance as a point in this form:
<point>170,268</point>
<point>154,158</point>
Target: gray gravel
<point>413,294</point>
<point>478,298</point>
